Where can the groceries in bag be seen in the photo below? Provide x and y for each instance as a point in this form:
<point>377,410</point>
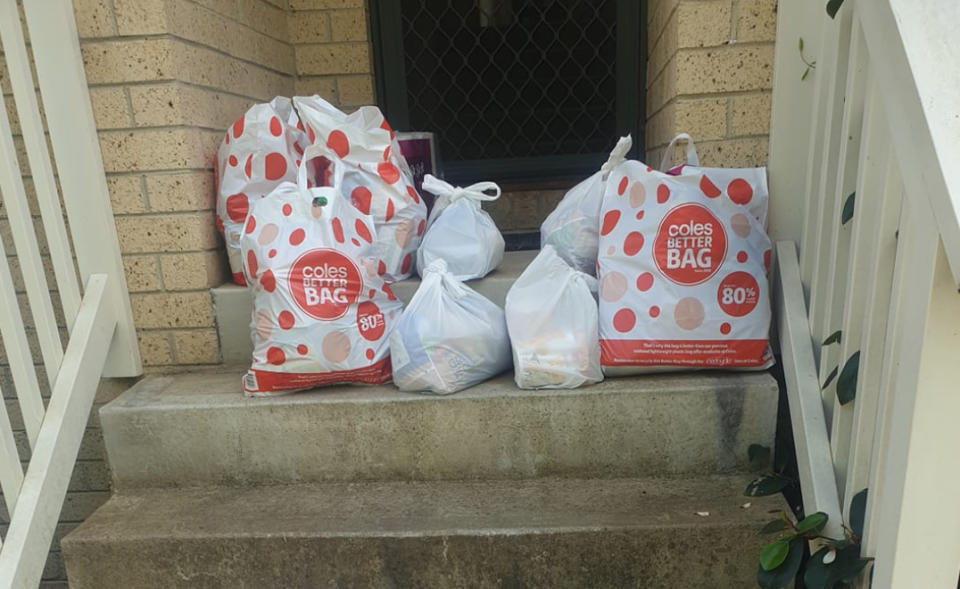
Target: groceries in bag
<point>322,315</point>
<point>682,268</point>
<point>259,151</point>
<point>459,231</point>
<point>573,225</point>
<point>376,178</point>
<point>552,320</point>
<point>449,337</point>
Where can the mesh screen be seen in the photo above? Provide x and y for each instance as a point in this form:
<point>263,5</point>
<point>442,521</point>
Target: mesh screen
<point>512,78</point>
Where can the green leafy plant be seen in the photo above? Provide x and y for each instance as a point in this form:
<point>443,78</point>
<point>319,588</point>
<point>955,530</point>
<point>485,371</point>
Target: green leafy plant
<point>847,383</point>
<point>833,338</point>
<point>830,377</point>
<point>811,65</point>
<point>848,205</point>
<point>833,6</point>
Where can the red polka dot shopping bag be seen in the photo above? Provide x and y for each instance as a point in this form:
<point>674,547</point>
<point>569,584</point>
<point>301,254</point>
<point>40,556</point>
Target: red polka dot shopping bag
<point>322,313</point>
<point>683,270</point>
<point>376,178</point>
<point>259,151</point>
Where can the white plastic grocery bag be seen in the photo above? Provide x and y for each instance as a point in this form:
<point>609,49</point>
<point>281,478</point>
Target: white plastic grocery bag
<point>376,178</point>
<point>552,319</point>
<point>573,225</point>
<point>449,337</point>
<point>682,268</point>
<point>322,315</point>
<point>459,231</point>
<point>259,151</point>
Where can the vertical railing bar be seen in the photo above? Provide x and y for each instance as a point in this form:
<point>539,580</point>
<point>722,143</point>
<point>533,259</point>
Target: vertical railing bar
<point>864,175</point>
<point>41,170</point>
<point>76,149</point>
<point>11,471</point>
<point>18,352</point>
<point>878,286</point>
<point>830,152</point>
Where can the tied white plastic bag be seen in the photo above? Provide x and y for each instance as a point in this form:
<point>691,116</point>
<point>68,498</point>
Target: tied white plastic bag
<point>552,321</point>
<point>259,151</point>
<point>572,228</point>
<point>449,337</point>
<point>322,315</point>
<point>459,231</point>
<point>376,177</point>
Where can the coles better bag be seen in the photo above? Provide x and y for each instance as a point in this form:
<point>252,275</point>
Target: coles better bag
<point>682,268</point>
<point>259,151</point>
<point>552,320</point>
<point>376,178</point>
<point>322,315</point>
<point>449,337</point>
<point>571,228</point>
<point>459,231</point>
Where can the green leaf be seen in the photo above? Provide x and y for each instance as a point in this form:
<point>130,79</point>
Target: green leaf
<point>858,508</point>
<point>830,377</point>
<point>770,484</point>
<point>783,575</point>
<point>847,383</point>
<point>806,73</point>
<point>772,527</point>
<point>833,6</point>
<point>812,524</point>
<point>847,213</point>
<point>844,569</point>
<point>773,554</point>
<point>833,338</point>
<point>801,44</point>
<point>759,455</point>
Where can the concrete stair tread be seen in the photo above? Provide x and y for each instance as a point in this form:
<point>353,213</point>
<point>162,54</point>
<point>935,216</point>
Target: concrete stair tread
<point>432,508</point>
<point>198,429</point>
<point>220,387</point>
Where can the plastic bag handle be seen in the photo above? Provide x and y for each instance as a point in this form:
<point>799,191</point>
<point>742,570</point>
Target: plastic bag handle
<point>618,155</point>
<point>475,192</point>
<point>692,158</point>
<point>438,268</point>
<point>315,151</point>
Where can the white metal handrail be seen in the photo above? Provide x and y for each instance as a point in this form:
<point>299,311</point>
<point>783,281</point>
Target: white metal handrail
<point>101,340</point>
<point>879,119</point>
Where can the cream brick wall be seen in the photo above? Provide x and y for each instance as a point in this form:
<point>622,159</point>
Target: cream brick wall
<point>709,73</point>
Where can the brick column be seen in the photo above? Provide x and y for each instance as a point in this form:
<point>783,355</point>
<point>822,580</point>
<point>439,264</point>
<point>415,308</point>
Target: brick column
<point>710,72</point>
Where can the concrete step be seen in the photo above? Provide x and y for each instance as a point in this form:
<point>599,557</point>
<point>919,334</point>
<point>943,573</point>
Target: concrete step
<point>536,533</point>
<point>198,429</point>
<point>233,305</point>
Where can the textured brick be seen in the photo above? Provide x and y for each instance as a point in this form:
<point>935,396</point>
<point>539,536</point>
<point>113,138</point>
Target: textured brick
<point>110,108</point>
<point>704,23</point>
<point>93,18</point>
<point>704,119</point>
<point>205,67</point>
<point>172,104</point>
<point>355,90</point>
<point>166,233</point>
<point>348,25</point>
<point>266,18</point>
<point>751,115</point>
<point>188,191</point>
<point>149,149</point>
<point>757,20</point>
<point>142,273</point>
<point>325,86</point>
<point>705,71</point>
<point>172,310</point>
<point>197,346</point>
<point>131,60</point>
<point>734,153</point>
<point>193,271</point>
<point>324,4</point>
<point>126,194</point>
<point>333,58</point>
<point>141,17</point>
<point>309,27</point>
<point>155,348</point>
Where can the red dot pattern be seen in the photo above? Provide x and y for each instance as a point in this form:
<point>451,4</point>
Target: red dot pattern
<point>740,191</point>
<point>338,142</point>
<point>287,210</point>
<point>337,229</point>
<point>388,172</point>
<point>285,320</point>
<point>663,193</point>
<point>622,187</point>
<point>624,320</point>
<point>725,328</point>
<point>275,166</point>
<point>252,263</point>
<point>633,243</point>
<point>275,128</point>
<point>654,311</point>
<point>297,237</point>
<point>709,188</point>
<point>361,197</point>
<point>276,356</point>
<point>644,282</point>
<point>302,350</point>
<point>268,281</point>
<point>363,231</point>
<point>609,221</point>
<point>251,224</point>
<point>238,205</point>
<point>742,257</point>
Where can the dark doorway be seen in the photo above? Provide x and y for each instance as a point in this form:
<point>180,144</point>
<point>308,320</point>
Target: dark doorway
<point>515,90</point>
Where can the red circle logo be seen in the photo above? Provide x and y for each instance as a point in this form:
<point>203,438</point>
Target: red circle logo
<point>370,321</point>
<point>738,294</point>
<point>324,283</point>
<point>690,245</point>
